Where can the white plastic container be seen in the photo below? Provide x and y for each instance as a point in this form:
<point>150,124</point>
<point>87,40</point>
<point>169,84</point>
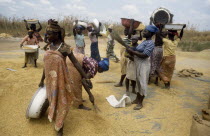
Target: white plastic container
<point>30,48</point>
<point>81,23</point>
<point>174,26</point>
<point>37,103</point>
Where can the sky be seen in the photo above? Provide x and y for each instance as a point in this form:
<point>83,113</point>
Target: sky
<point>193,12</point>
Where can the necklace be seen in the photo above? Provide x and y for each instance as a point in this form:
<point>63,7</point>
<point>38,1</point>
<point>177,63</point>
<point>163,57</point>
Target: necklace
<point>58,47</point>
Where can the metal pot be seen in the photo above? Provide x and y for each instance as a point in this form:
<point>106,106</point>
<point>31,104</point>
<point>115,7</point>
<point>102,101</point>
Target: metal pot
<point>127,22</point>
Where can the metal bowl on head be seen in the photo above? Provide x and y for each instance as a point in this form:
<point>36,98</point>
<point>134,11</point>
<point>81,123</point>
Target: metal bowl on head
<point>174,26</point>
<point>127,22</point>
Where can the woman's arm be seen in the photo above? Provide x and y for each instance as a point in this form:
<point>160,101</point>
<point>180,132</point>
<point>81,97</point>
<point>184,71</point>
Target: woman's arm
<point>40,27</point>
<point>87,89</point>
<point>182,32</point>
<point>79,68</point>
<point>26,24</point>
<point>74,31</point>
<point>138,54</point>
<point>22,42</point>
<point>41,84</point>
<point>77,65</point>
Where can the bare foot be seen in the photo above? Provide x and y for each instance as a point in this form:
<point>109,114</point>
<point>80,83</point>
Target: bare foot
<point>83,107</point>
<point>118,85</point>
<point>138,107</point>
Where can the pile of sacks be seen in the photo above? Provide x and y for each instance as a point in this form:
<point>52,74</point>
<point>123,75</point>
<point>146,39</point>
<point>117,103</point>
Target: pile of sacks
<point>189,73</point>
<point>201,127</point>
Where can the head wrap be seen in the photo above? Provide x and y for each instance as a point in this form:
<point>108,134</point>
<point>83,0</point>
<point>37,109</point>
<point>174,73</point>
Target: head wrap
<point>53,26</point>
<point>135,37</point>
<point>104,64</point>
<point>80,27</point>
<point>152,28</point>
<point>111,26</point>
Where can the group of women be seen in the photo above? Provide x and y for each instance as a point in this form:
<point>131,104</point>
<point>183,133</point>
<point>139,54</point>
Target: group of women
<point>67,70</point>
<point>141,62</point>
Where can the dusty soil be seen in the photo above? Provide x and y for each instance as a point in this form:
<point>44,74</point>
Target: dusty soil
<point>165,112</point>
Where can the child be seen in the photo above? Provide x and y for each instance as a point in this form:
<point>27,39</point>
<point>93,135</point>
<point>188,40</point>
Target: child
<point>79,39</point>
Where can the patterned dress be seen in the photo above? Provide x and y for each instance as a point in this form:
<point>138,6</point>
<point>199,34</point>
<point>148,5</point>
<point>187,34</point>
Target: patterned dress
<point>58,86</point>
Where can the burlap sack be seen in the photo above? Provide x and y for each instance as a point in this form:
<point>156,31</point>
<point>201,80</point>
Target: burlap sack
<point>199,127</point>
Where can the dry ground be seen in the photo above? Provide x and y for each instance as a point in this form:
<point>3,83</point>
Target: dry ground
<point>165,112</point>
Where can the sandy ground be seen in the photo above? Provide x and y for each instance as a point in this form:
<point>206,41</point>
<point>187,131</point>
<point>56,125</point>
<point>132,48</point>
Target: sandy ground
<point>165,112</point>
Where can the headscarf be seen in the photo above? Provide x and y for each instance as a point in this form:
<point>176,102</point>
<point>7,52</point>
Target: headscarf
<point>152,28</point>
<point>104,64</point>
<point>80,27</point>
<point>54,27</point>
<point>111,26</point>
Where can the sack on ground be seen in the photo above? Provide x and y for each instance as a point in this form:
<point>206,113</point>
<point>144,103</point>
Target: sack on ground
<point>199,127</point>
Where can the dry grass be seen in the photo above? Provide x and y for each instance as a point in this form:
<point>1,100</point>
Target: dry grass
<point>193,40</point>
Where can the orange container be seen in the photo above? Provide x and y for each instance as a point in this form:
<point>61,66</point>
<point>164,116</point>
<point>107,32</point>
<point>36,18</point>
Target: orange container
<point>127,22</point>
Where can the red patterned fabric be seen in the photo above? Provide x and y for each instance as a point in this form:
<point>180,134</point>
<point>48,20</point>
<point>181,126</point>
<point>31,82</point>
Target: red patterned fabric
<point>90,66</point>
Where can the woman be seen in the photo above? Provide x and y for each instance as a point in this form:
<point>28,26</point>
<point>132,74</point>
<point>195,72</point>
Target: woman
<point>142,55</point>
<point>91,67</point>
<point>58,79</point>
<point>36,31</point>
<point>169,56</point>
<point>156,55</point>
<point>30,39</point>
<point>93,35</point>
<point>79,39</point>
